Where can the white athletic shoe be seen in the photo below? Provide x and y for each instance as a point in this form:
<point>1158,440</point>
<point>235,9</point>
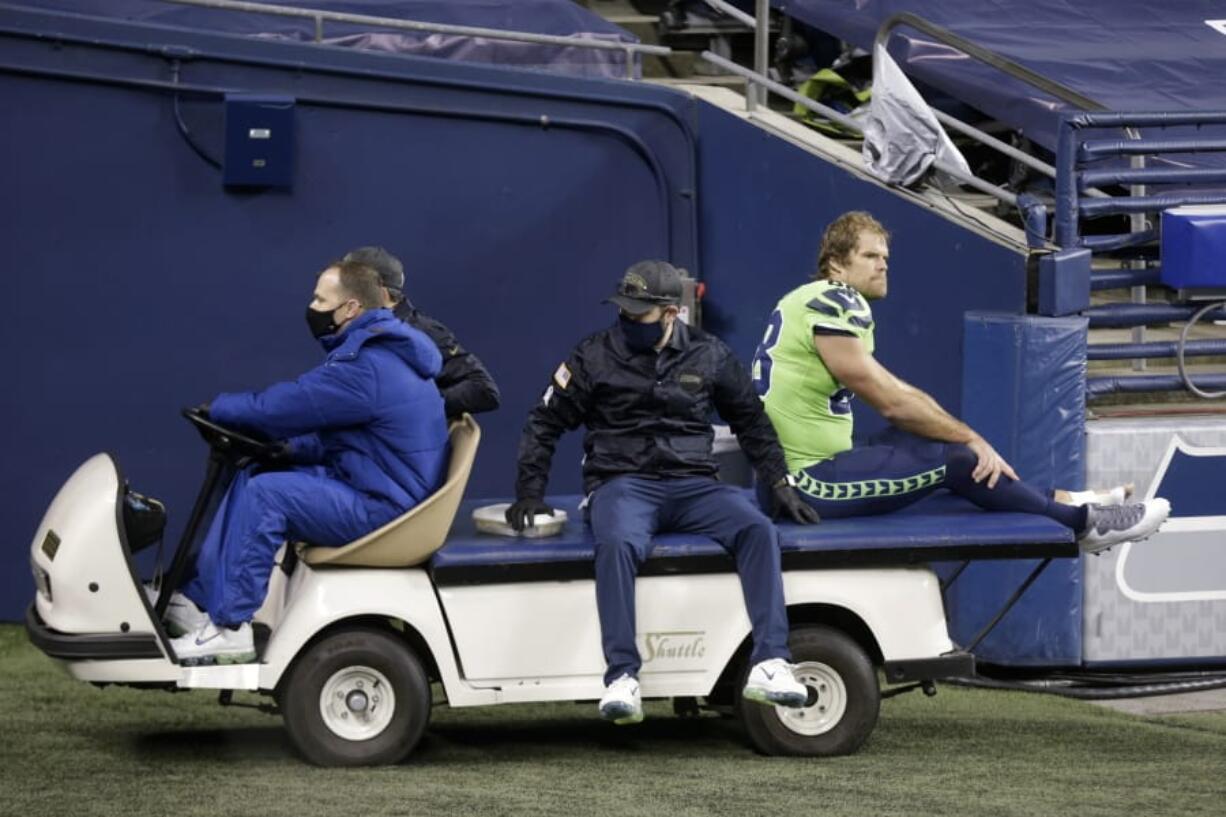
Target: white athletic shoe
<point>622,702</point>
<point>1113,496</point>
<point>211,644</point>
<point>1108,525</point>
<point>772,682</point>
<point>182,614</point>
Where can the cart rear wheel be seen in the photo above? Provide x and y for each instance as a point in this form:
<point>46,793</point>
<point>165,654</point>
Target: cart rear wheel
<point>356,698</point>
<point>843,699</point>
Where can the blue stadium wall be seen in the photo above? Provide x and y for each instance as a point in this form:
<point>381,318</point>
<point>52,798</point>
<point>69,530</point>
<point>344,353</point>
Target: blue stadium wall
<point>139,284</point>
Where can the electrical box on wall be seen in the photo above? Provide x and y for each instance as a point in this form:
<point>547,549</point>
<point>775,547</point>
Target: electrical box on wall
<point>259,141</point>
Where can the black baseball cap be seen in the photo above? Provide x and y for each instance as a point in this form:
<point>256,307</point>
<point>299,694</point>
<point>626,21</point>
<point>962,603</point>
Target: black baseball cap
<point>391,271</point>
<point>647,284</point>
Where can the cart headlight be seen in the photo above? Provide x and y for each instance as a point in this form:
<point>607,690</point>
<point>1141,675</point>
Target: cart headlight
<point>42,581</point>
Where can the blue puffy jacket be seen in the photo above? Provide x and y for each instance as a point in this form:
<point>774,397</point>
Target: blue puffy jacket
<point>371,414</point>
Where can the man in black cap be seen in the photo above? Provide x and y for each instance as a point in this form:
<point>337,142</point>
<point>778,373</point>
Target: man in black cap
<point>464,382</point>
<point>645,389</point>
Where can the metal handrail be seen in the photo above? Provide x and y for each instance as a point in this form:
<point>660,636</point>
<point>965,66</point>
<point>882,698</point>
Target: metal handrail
<point>847,122</point>
<point>733,12</point>
<point>320,17</point>
<point>782,90</point>
<point>991,141</point>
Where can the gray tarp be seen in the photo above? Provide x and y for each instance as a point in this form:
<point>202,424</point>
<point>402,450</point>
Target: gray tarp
<point>902,137</point>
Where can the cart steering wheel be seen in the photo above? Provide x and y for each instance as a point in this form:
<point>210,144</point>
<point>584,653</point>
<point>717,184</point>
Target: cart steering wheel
<point>233,444</point>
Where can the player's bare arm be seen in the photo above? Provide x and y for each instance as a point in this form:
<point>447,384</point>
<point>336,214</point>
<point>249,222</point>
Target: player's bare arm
<point>904,405</point>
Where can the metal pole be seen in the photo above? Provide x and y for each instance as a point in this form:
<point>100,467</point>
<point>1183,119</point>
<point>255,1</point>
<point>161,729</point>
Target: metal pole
<point>1136,224</point>
<point>761,49</point>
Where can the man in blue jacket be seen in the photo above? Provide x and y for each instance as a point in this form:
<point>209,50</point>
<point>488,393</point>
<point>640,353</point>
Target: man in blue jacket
<point>368,438</point>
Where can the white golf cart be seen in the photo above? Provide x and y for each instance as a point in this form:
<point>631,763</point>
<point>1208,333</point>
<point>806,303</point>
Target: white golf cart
<point>352,637</point>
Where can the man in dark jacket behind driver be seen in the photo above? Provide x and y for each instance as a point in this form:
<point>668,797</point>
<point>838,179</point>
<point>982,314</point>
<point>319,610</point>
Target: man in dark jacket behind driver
<point>465,383</point>
<point>646,389</point>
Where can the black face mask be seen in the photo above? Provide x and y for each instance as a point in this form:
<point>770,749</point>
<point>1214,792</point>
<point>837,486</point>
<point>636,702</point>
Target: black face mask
<point>641,337</point>
<point>321,323</point>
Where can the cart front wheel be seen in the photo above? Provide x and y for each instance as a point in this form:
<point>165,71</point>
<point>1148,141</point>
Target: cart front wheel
<point>356,698</point>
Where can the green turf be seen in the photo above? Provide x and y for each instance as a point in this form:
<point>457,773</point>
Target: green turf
<point>70,749</point>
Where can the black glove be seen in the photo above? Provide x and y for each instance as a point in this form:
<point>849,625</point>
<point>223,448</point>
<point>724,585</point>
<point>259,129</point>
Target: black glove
<point>786,500</point>
<point>202,409</point>
<point>522,514</point>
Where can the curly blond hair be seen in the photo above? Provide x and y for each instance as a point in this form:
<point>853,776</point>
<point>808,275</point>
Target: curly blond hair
<point>839,240</point>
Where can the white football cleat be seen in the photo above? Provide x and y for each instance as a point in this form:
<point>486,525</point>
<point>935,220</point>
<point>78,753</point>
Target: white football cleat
<point>1108,525</point>
<point>622,702</point>
<point>211,644</point>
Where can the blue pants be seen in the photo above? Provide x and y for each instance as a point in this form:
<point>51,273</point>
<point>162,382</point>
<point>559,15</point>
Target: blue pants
<point>897,469</point>
<point>626,512</point>
<point>258,514</point>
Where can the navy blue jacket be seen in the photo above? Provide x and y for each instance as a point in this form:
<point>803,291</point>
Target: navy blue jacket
<point>647,414</point>
<point>371,414</point>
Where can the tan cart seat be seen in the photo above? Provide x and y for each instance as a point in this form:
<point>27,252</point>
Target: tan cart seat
<point>411,539</point>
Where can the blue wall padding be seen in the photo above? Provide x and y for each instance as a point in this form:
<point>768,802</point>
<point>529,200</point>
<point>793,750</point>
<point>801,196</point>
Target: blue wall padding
<point>1064,282</point>
<point>1194,247</point>
<point>1023,389</point>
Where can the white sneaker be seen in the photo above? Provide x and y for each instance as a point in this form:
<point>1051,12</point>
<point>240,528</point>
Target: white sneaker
<point>622,702</point>
<point>182,614</point>
<point>772,682</point>
<point>1108,525</point>
<point>211,644</point>
<point>1112,496</point>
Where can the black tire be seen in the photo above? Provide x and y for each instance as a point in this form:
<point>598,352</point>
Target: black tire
<point>829,659</point>
<point>352,667</point>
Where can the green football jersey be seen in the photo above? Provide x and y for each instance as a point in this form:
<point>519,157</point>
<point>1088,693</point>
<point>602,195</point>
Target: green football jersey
<point>810,409</point>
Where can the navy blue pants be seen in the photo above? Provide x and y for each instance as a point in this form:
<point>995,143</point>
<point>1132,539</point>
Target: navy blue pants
<point>896,469</point>
<point>626,512</point>
<point>256,516</point>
